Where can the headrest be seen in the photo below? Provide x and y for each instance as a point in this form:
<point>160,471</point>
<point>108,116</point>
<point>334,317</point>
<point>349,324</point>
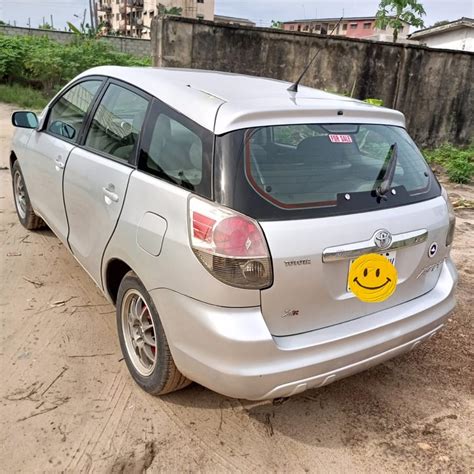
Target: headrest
<point>315,145</point>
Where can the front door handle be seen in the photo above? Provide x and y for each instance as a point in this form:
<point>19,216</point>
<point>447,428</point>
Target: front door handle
<point>59,165</point>
<point>110,194</point>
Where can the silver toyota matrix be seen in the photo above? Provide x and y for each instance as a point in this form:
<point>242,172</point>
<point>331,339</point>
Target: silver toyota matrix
<point>257,239</point>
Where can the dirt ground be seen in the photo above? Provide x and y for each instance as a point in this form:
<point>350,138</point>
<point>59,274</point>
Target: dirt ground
<point>67,402</point>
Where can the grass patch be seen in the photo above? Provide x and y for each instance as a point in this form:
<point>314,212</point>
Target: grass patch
<point>458,162</point>
<point>23,96</point>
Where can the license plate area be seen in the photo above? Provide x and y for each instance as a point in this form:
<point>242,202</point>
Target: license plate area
<point>390,256</point>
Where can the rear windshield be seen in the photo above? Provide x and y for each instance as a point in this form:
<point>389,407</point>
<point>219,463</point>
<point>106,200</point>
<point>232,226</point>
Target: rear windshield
<point>318,169</point>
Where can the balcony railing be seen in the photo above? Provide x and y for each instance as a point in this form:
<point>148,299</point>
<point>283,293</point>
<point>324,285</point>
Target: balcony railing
<point>104,8</point>
<point>137,4</point>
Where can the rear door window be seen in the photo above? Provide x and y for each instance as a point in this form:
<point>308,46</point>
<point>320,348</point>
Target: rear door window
<point>117,123</point>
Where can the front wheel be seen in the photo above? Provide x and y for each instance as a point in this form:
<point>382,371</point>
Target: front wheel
<point>24,210</point>
<point>143,341</point>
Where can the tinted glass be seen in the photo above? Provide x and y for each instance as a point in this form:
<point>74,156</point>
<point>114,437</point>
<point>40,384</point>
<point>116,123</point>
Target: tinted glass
<point>67,114</point>
<point>309,165</point>
<point>117,123</point>
<point>177,150</point>
<point>299,171</point>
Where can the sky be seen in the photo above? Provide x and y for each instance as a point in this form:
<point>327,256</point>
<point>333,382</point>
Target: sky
<point>259,11</point>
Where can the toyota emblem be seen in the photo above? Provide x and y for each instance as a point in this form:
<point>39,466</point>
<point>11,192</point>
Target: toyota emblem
<point>383,239</point>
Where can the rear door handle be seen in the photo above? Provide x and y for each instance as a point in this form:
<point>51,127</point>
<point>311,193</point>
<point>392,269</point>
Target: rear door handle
<point>59,165</point>
<point>110,194</point>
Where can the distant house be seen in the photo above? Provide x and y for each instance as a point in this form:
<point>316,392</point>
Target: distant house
<point>233,20</point>
<point>134,17</point>
<point>354,27</point>
<point>457,34</point>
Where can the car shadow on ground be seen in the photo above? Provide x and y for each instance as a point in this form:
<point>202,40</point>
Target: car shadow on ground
<point>366,407</point>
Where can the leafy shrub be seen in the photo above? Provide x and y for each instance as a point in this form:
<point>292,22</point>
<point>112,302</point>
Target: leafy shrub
<point>378,102</point>
<point>46,64</point>
<point>460,169</point>
<point>458,162</point>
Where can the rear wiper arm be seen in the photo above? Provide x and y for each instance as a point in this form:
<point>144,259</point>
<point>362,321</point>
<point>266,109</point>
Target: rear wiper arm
<point>389,173</point>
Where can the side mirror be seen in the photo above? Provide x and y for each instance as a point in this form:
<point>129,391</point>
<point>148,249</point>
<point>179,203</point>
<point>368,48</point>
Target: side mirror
<point>63,129</point>
<point>24,119</point>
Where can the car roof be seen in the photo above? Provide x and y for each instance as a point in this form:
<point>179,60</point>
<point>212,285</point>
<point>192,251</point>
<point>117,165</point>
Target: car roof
<point>223,102</point>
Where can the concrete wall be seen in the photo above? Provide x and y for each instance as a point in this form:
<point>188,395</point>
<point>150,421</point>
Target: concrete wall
<point>432,87</point>
<point>137,47</point>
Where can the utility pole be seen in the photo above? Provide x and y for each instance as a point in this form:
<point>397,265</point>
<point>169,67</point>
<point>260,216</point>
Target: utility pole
<point>96,17</point>
<point>125,8</point>
<point>91,13</point>
<point>29,22</point>
<point>52,22</point>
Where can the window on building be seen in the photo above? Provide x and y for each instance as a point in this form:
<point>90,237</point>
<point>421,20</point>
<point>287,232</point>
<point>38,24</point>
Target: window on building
<point>200,1</point>
<point>331,26</point>
<point>117,16</point>
<point>344,27</point>
<point>199,16</point>
<point>306,28</point>
<point>299,27</point>
<point>367,26</point>
<point>317,27</point>
<point>353,26</point>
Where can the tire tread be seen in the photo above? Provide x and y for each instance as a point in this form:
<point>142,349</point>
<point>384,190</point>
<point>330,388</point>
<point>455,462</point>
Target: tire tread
<point>171,379</point>
<point>31,221</point>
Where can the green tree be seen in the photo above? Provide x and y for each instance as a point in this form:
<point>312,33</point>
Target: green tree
<point>45,26</point>
<point>277,24</point>
<point>394,13</point>
<point>441,23</point>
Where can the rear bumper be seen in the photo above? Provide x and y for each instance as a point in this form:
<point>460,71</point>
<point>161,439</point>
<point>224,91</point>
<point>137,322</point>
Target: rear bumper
<point>231,351</point>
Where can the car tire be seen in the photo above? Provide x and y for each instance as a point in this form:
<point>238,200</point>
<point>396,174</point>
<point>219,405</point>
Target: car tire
<point>143,340</point>
<point>24,210</point>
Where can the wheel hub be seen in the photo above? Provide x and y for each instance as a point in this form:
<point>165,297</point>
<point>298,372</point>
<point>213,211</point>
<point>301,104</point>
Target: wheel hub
<point>20,194</point>
<point>139,332</point>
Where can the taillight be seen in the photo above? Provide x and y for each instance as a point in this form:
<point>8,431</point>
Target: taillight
<point>231,246</point>
<point>452,219</point>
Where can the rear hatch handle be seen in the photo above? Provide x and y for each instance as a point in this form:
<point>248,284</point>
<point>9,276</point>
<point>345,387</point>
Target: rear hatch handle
<point>354,250</point>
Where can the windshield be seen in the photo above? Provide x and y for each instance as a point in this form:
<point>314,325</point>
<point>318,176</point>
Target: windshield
<point>315,166</point>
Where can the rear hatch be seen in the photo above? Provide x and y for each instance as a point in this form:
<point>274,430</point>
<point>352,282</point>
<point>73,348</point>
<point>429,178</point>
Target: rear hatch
<point>313,190</point>
<point>309,293</point>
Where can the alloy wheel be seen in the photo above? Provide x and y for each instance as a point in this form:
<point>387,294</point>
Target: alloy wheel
<point>139,332</point>
<point>20,194</point>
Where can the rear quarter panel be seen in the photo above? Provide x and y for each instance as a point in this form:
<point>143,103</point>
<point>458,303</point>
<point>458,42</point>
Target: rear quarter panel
<point>176,267</point>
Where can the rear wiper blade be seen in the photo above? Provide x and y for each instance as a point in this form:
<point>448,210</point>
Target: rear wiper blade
<point>389,172</point>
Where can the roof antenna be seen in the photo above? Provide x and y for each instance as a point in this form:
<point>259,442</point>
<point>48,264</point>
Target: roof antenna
<point>294,87</point>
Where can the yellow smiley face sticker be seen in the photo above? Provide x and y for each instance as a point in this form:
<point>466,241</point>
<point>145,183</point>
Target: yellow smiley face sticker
<point>372,278</point>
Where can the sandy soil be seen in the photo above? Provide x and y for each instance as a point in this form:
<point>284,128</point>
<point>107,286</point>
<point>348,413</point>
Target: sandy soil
<point>67,402</point>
